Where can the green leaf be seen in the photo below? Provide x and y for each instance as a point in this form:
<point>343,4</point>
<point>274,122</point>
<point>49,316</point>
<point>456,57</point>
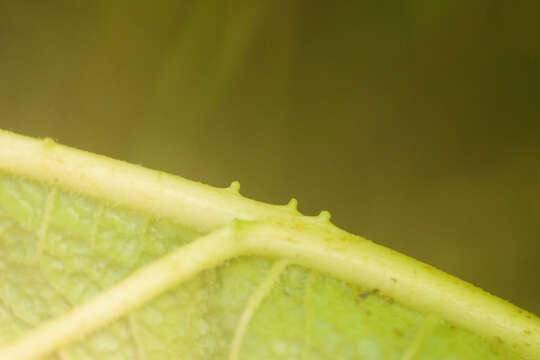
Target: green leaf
<point>104,260</point>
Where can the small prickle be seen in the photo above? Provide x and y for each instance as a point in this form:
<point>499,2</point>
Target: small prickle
<point>234,187</point>
<point>293,204</point>
<point>48,142</point>
<point>324,216</point>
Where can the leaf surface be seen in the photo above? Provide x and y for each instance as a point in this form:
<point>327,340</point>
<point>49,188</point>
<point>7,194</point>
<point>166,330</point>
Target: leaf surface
<point>104,260</point>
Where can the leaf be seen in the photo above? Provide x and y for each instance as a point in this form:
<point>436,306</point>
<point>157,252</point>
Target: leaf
<point>100,259</point>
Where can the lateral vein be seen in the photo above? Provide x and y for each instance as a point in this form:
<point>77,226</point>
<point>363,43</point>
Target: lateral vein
<point>183,263</point>
<point>44,226</point>
<point>427,327</point>
<point>308,313</point>
<point>253,303</point>
<point>134,330</point>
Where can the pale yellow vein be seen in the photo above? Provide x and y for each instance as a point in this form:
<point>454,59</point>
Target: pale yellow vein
<point>6,228</point>
<point>253,303</point>
<point>308,314</point>
<point>135,333</point>
<point>44,226</point>
<point>183,263</point>
<point>63,354</point>
<point>95,224</point>
<point>20,323</point>
<point>428,325</point>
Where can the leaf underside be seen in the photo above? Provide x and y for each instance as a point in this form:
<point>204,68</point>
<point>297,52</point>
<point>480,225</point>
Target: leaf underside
<point>58,249</point>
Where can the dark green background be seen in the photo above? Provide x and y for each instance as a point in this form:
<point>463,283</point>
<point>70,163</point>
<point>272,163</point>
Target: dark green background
<point>416,123</point>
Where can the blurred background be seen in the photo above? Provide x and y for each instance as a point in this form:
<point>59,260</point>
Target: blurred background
<point>416,123</point>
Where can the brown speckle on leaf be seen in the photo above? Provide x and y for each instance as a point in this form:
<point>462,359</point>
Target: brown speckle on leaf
<point>365,294</point>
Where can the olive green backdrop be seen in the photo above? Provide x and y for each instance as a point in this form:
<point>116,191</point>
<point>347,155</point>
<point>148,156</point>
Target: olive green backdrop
<point>416,123</point>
